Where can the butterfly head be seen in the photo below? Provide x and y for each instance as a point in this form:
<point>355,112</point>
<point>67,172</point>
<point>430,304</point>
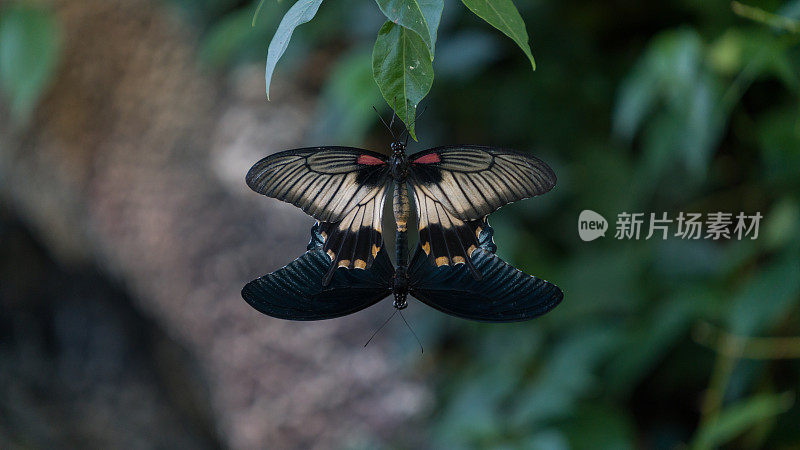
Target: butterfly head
<point>400,301</point>
<point>398,161</point>
<point>398,149</point>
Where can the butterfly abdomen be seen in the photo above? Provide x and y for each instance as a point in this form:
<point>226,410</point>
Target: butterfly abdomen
<point>401,205</point>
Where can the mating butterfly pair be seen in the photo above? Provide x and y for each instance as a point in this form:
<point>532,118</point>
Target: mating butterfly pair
<point>454,268</point>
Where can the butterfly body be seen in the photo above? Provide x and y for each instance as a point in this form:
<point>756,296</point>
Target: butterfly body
<point>398,161</point>
<point>453,269</point>
<point>402,212</point>
<point>401,207</point>
<point>400,287</point>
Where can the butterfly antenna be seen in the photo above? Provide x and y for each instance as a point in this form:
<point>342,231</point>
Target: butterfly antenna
<point>381,327</point>
<point>394,114</point>
<point>422,350</point>
<point>383,121</point>
<point>421,113</point>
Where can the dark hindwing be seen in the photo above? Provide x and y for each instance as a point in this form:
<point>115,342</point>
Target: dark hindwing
<point>503,294</point>
<point>445,237</point>
<point>296,291</point>
<point>344,188</point>
<point>355,241</point>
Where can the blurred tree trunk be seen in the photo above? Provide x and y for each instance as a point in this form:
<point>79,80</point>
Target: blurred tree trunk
<point>135,161</point>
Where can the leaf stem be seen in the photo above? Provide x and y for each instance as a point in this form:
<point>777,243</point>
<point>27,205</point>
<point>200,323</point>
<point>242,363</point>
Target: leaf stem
<point>745,346</point>
<point>255,14</point>
<point>767,18</point>
<point>728,351</point>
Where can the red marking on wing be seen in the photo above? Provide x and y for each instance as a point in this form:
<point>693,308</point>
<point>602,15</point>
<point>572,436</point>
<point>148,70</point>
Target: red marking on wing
<point>430,158</point>
<point>370,160</point>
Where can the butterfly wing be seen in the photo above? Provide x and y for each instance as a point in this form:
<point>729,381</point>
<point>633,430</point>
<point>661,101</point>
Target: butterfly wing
<point>473,181</point>
<point>448,239</point>
<point>342,187</point>
<point>455,188</point>
<point>296,291</point>
<point>503,294</point>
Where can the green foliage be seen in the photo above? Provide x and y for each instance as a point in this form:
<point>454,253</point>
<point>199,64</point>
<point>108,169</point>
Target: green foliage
<point>29,51</point>
<point>749,314</point>
<point>401,65</point>
<point>421,17</point>
<point>302,12</point>
<point>503,15</point>
<point>690,123</point>
<point>402,77</point>
<point>738,418</point>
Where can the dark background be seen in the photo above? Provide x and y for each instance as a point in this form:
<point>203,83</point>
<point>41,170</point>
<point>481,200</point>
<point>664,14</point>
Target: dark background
<point>126,230</point>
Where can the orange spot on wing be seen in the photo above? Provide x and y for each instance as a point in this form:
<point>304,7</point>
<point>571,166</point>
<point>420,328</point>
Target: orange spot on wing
<point>426,247</point>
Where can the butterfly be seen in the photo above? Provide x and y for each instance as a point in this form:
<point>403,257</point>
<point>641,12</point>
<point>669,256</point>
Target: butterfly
<point>346,267</point>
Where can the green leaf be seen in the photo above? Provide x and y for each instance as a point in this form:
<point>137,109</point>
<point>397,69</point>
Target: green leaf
<point>29,50</point>
<point>300,13</point>
<point>420,16</point>
<point>738,418</point>
<point>672,87</point>
<point>783,225</point>
<point>432,10</point>
<point>638,96</point>
<point>766,297</point>
<point>401,65</point>
<point>503,15</point>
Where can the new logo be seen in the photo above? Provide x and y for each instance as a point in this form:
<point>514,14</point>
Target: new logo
<point>591,225</point>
